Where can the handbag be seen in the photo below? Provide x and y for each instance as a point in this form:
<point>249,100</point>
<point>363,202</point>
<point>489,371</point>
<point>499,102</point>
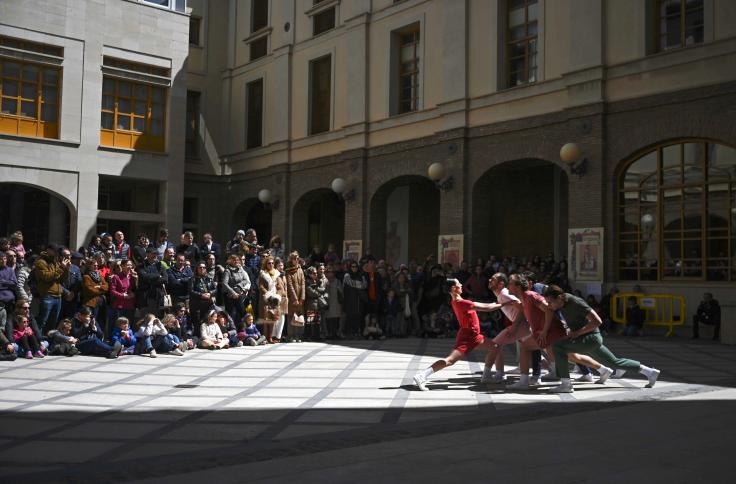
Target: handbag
<point>407,306</point>
<point>297,320</point>
<point>167,303</point>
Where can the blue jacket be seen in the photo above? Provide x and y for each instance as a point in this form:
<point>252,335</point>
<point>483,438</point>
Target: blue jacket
<point>8,285</point>
<point>252,331</point>
<point>179,281</point>
<point>118,337</point>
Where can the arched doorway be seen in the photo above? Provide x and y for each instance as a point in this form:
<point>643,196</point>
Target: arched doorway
<point>520,209</point>
<point>404,220</point>
<point>40,215</point>
<point>251,213</point>
<point>318,220</point>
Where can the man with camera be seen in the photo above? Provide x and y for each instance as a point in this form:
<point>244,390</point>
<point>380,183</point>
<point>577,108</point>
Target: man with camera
<point>50,271</point>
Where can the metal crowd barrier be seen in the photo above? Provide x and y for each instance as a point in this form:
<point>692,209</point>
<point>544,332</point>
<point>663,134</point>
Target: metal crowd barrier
<point>660,309</point>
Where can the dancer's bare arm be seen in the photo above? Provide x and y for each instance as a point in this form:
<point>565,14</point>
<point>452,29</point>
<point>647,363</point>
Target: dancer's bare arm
<point>487,307</point>
<point>593,322</point>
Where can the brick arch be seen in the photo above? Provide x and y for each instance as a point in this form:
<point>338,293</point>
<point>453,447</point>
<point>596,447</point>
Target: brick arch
<point>36,232</point>
<point>423,216</point>
<point>519,208</point>
<point>251,213</point>
<point>331,226</point>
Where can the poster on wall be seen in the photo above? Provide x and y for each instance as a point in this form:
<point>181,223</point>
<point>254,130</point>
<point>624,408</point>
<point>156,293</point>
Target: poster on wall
<point>352,249</point>
<point>585,254</point>
<point>450,249</point>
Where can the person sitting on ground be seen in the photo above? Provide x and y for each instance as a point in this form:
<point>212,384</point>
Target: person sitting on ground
<point>634,318</point>
<point>27,342</point>
<point>62,341</point>
<point>211,336</point>
<point>123,334</point>
<point>227,327</point>
<point>708,312</point>
<point>249,333</point>
<point>7,347</point>
<point>147,329</point>
<point>90,336</point>
<point>372,328</point>
<point>176,335</point>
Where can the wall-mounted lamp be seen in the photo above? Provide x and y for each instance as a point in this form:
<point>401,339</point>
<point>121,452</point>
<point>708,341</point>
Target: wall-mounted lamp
<point>436,173</point>
<point>339,186</point>
<point>266,197</point>
<point>572,156</point>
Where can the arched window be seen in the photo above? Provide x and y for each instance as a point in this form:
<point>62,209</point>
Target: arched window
<point>677,214</point>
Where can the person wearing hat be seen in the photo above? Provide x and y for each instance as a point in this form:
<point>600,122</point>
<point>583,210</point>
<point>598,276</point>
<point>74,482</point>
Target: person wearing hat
<point>50,270</point>
<point>233,247</point>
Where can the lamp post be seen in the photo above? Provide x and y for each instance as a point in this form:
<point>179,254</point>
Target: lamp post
<point>339,186</point>
<point>436,172</point>
<point>572,156</point>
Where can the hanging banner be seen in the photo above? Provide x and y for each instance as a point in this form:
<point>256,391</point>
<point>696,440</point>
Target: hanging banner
<point>352,250</point>
<point>585,254</point>
<point>450,249</point>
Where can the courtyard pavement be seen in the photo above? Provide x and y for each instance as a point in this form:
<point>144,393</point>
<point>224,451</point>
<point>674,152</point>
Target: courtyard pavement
<point>348,412</point>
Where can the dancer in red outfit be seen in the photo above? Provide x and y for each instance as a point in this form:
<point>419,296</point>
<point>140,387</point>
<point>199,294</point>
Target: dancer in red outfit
<point>468,337</point>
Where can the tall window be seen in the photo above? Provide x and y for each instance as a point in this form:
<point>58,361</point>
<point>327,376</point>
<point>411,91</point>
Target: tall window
<point>521,42</point>
<point>254,106</point>
<point>320,94</point>
<point>259,15</point>
<point>29,92</point>
<point>679,23</point>
<point>324,20</point>
<point>191,139</point>
<point>408,71</point>
<point>195,26</point>
<point>133,110</point>
<point>677,214</point>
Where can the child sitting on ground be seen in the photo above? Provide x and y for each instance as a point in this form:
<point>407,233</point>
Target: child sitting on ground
<point>210,334</point>
<point>62,341</point>
<point>372,328</point>
<point>25,338</point>
<point>228,329</point>
<point>148,327</point>
<point>124,335</point>
<point>176,334</point>
<point>249,333</point>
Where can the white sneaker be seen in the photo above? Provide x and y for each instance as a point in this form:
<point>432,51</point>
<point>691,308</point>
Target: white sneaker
<point>535,380</point>
<point>519,385</point>
<point>585,378</point>
<point>152,354</point>
<point>421,382</point>
<point>652,377</point>
<point>498,377</point>
<point>605,374</point>
<point>487,376</point>
<point>176,352</point>
<point>619,373</point>
<point>564,387</point>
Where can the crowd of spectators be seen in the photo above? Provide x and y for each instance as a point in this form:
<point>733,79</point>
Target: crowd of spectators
<point>112,297</point>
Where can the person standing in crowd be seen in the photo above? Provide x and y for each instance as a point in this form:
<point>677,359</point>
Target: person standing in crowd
<point>373,291</point>
<point>95,245</point>
<point>107,245</point>
<point>708,312</point>
<point>16,245</point>
<point>23,274</point>
<point>71,285</point>
<point>209,246</point>
<point>201,292</point>
<point>139,249</point>
<point>296,289</point>
<point>333,314</point>
<point>233,247</point>
<point>354,287</point>
<point>235,288</point>
<point>169,259</point>
<point>585,338</point>
<point>122,294</point>
<point>282,291</point>
<point>152,278</point>
<point>94,288</point>
<point>178,280</point>
<point>315,301</point>
<point>163,243</point>
<point>269,306</point>
<point>50,272</point>
<point>121,249</point>
<point>8,284</point>
<point>276,248</point>
<point>188,248</point>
